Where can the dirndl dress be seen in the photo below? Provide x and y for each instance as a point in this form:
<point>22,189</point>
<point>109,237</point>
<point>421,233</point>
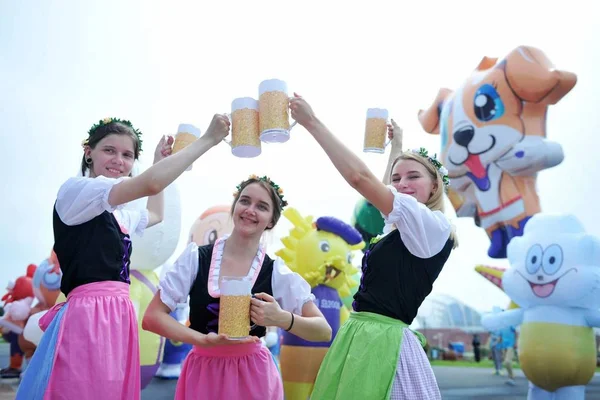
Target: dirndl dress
<point>377,358</point>
<point>89,350</point>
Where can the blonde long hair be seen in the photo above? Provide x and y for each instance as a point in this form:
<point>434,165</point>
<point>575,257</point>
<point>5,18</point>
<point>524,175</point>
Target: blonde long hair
<point>436,200</point>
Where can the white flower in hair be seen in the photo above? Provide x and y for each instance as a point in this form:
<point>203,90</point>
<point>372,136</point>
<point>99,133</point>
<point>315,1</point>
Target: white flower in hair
<point>443,171</point>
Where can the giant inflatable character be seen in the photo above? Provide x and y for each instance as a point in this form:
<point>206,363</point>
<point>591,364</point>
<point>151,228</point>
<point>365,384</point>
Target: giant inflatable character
<point>555,279</point>
<point>493,140</point>
<point>17,306</point>
<point>151,251</point>
<point>211,225</point>
<point>321,252</point>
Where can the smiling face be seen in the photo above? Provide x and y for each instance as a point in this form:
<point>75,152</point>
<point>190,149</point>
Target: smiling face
<point>412,178</point>
<point>112,156</point>
<point>553,267</point>
<point>253,210</point>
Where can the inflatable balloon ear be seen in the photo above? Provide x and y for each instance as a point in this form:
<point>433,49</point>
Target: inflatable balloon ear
<point>321,252</point>
<point>367,220</point>
<point>555,279</point>
<point>150,252</point>
<point>493,140</point>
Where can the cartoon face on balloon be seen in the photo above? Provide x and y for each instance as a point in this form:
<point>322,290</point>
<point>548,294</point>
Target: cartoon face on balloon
<point>322,252</point>
<point>493,130</point>
<point>211,225</point>
<point>554,263</point>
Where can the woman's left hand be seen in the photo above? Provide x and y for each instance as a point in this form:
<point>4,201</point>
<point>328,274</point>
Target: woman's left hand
<point>265,311</point>
<point>164,148</point>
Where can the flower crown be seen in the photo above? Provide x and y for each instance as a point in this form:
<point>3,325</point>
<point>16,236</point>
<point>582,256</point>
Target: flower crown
<point>109,120</point>
<point>265,178</point>
<point>433,160</point>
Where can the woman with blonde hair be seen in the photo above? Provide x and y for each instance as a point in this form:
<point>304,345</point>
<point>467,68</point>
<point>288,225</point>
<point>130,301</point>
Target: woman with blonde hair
<point>375,355</point>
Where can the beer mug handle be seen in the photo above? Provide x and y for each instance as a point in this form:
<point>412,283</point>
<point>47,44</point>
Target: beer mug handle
<point>293,125</point>
<point>229,118</point>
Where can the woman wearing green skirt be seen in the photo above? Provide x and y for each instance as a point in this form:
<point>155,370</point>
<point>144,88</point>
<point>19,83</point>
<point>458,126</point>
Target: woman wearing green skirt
<point>375,355</point>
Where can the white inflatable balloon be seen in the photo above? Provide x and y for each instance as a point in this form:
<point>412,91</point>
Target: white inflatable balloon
<point>159,242</point>
<point>32,331</point>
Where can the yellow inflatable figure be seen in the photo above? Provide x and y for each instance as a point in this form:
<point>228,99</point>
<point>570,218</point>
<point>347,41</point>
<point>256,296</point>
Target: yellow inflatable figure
<point>321,252</point>
<point>555,279</point>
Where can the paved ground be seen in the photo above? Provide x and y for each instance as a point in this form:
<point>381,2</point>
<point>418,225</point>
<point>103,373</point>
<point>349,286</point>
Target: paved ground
<point>455,383</point>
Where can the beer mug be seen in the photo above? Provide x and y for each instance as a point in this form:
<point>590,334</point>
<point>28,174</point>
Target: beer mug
<point>274,111</point>
<point>234,309</point>
<point>186,135</point>
<point>376,131</point>
<point>245,137</point>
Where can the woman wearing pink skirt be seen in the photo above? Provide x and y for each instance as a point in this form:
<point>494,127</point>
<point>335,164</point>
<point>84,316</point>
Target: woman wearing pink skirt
<point>219,368</point>
<point>90,348</point>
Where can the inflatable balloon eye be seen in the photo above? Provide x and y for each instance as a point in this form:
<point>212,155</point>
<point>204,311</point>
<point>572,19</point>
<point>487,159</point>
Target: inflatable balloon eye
<point>321,252</point>
<point>493,140</point>
<point>554,277</point>
<point>367,220</point>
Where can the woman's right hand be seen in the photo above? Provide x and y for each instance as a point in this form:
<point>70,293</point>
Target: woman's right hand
<point>395,134</point>
<point>218,128</point>
<point>212,339</point>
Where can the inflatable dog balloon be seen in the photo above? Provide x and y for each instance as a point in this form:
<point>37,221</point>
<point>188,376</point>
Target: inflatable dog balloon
<point>150,251</point>
<point>211,225</point>
<point>555,279</point>
<point>493,140</point>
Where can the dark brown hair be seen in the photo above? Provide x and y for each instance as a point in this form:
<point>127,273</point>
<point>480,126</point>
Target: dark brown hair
<point>112,128</point>
<point>277,206</point>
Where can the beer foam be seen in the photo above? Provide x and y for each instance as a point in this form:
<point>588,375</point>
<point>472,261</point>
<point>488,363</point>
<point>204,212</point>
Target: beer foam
<point>188,128</point>
<point>240,287</point>
<point>272,85</point>
<point>377,113</point>
<point>244,102</point>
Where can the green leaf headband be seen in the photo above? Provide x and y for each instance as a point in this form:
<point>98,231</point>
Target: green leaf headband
<point>109,120</point>
<point>433,160</point>
<point>265,178</point>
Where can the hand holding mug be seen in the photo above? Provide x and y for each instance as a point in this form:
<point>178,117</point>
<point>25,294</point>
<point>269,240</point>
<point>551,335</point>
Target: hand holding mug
<point>301,111</point>
<point>212,339</point>
<point>164,148</point>
<point>218,128</point>
<point>395,134</point>
<point>265,311</point>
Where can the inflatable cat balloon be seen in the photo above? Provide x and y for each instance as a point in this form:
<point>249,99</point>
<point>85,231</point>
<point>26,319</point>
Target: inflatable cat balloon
<point>493,140</point>
<point>555,279</point>
<point>151,251</point>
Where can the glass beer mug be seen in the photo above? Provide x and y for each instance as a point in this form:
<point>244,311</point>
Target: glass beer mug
<point>234,309</point>
<point>274,111</point>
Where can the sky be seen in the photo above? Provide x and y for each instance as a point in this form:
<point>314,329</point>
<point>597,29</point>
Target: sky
<point>65,65</point>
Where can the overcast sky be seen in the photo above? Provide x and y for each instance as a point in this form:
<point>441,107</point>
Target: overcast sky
<point>64,67</point>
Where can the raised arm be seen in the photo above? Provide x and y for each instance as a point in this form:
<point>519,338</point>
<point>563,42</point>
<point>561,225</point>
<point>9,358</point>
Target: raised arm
<point>395,135</point>
<point>350,166</point>
<point>156,178</point>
